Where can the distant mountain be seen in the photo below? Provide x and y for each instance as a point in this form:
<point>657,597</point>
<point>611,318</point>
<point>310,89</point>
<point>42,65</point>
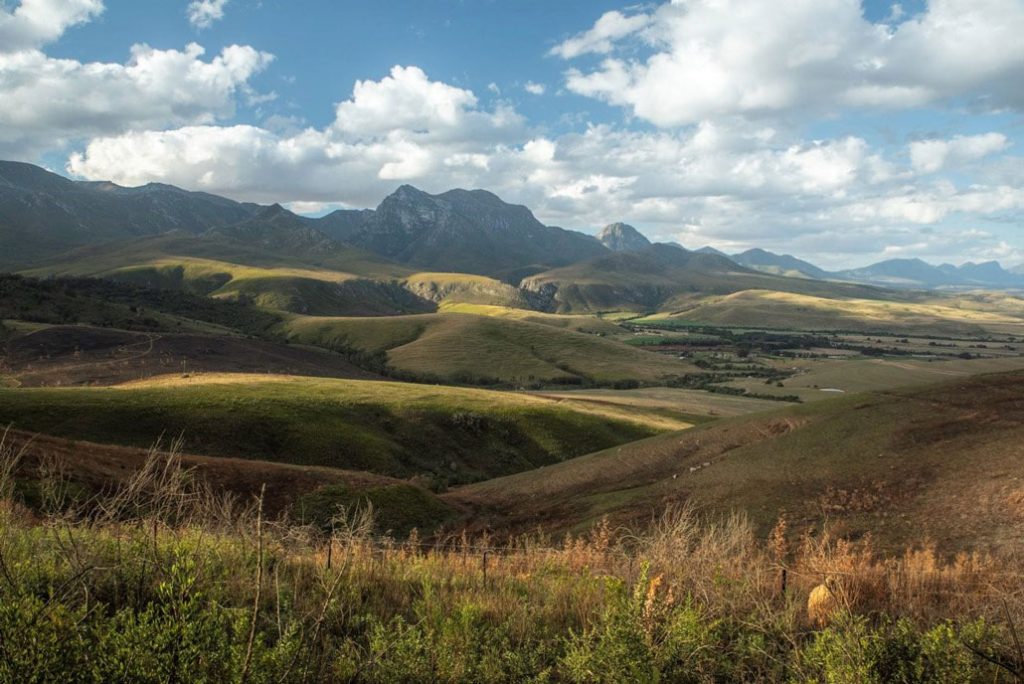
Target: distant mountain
<point>902,273</point>
<point>990,273</point>
<point>43,214</point>
<point>622,237</point>
<point>915,273</point>
<point>768,262</point>
<point>708,249</point>
<point>469,231</point>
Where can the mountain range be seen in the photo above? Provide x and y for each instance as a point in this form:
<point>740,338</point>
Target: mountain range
<point>43,215</point>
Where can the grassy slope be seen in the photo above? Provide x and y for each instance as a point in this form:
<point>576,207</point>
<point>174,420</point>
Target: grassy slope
<point>941,462</point>
<point>389,428</point>
<point>61,355</point>
<point>637,285</point>
<point>863,374</point>
<point>585,323</point>
<point>314,283</point>
<point>805,312</point>
<point>463,346</point>
<point>684,405</point>
<point>339,282</point>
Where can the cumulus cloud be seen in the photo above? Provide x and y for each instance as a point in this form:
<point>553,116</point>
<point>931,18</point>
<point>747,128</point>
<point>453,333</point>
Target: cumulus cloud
<point>710,58</point>
<point>734,184</point>
<point>612,26</point>
<point>535,88</point>
<point>929,156</point>
<point>48,101</point>
<point>37,22</point>
<point>723,80</point>
<point>202,13</point>
<point>402,127</point>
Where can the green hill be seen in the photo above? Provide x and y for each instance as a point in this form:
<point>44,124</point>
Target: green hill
<point>450,434</point>
<point>940,463</point>
<point>459,347</point>
<point>775,309</point>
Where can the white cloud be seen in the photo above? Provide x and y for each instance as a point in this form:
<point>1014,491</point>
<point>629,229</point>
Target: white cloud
<point>404,127</point>
<point>202,13</point>
<point>407,101</point>
<point>612,26</point>
<point>534,88</point>
<point>36,22</point>
<point>47,102</point>
<point>712,58</point>
<point>929,156</point>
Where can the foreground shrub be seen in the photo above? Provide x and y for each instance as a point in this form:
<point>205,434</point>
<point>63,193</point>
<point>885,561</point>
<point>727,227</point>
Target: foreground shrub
<point>160,582</point>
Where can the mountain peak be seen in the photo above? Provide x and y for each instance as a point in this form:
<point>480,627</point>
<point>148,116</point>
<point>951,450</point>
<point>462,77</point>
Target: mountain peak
<point>622,237</point>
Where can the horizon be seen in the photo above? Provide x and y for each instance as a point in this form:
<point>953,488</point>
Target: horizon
<point>844,133</point>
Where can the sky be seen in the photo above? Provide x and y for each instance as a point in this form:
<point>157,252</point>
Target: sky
<point>838,131</point>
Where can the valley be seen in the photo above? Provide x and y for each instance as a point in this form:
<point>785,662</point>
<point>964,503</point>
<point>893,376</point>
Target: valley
<point>441,376</point>
<point>361,342</point>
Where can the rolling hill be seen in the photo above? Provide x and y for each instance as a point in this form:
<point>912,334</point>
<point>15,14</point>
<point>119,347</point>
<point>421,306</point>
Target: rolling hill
<point>938,463</point>
<point>465,347</point>
<point>398,429</point>
<point>783,310</point>
<point>660,278</point>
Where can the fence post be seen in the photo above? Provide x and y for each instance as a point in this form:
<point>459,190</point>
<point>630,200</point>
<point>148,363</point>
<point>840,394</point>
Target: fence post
<point>782,581</point>
<point>485,567</point>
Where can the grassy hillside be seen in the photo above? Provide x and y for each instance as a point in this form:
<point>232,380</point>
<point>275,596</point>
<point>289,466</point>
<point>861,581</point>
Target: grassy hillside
<point>472,348</point>
<point>154,584</point>
<point>804,312</point>
<point>285,286</point>
<point>465,288</point>
<point>334,281</point>
<point>582,323</point>
<point>938,463</point>
<point>118,305</point>
<point>307,493</point>
<point>675,404</point>
<point>398,429</point>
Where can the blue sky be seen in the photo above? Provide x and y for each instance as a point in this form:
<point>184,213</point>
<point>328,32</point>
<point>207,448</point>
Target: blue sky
<point>837,131</point>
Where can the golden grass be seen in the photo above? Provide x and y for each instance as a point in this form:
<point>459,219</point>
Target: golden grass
<point>804,312</point>
<point>579,323</point>
<point>937,461</point>
<point>462,345</point>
